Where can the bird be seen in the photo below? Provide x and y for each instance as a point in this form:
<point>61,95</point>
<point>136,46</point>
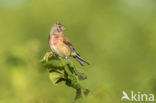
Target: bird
<point>60,44</point>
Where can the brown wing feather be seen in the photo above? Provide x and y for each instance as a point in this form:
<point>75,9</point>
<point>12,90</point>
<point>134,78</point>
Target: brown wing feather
<point>67,42</point>
<point>73,51</point>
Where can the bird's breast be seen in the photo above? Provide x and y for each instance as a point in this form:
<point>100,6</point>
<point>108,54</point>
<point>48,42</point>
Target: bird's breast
<point>54,42</point>
<point>57,45</point>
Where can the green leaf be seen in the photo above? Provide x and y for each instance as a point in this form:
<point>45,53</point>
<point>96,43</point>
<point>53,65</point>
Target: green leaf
<point>55,77</point>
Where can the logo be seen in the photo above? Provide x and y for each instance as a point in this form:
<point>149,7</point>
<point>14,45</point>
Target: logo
<point>140,97</point>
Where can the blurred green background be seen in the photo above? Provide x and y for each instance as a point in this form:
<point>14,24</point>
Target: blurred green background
<point>117,37</point>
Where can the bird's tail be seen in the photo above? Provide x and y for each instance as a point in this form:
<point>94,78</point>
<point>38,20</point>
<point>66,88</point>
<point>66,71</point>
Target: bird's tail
<point>80,60</point>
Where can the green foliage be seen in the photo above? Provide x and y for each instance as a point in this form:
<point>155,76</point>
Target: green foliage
<point>64,70</point>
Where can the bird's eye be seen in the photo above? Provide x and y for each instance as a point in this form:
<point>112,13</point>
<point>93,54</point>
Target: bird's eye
<point>59,26</point>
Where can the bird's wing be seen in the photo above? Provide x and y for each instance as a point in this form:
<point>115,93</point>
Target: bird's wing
<point>73,51</point>
<point>67,42</point>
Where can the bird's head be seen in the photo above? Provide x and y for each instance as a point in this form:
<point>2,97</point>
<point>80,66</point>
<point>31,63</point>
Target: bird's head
<point>57,28</point>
